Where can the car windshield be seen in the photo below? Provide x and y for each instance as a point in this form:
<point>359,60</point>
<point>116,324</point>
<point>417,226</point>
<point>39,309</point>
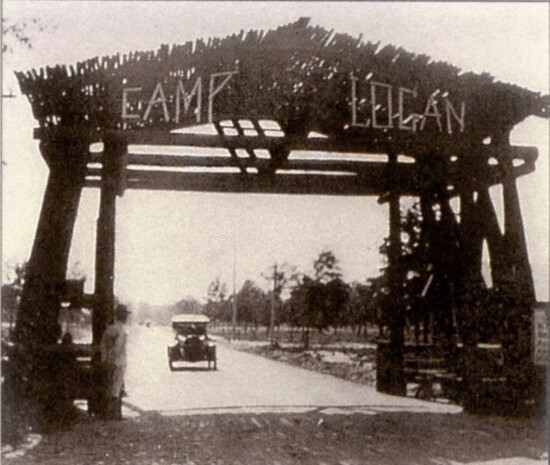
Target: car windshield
<point>190,329</point>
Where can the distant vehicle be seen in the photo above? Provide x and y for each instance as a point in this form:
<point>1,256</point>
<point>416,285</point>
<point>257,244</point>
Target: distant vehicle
<point>192,343</point>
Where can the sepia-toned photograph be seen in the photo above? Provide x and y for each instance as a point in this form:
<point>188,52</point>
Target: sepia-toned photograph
<point>275,232</point>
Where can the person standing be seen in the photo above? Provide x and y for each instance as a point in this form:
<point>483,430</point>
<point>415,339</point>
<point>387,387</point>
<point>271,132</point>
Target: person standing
<point>113,356</point>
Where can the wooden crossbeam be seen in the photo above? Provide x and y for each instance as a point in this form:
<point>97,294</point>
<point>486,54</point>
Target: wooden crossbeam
<point>157,139</point>
<point>301,177</point>
<point>254,143</point>
<point>355,145</point>
<point>240,183</point>
<point>349,143</point>
<point>178,161</point>
<point>323,170</point>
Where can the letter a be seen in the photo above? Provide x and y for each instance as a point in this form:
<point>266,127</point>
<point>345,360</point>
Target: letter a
<point>157,97</point>
<point>432,103</point>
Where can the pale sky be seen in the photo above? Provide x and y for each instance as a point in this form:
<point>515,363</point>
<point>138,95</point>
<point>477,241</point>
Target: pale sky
<point>171,245</point>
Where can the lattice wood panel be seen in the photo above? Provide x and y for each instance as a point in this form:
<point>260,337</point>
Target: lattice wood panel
<point>304,77</point>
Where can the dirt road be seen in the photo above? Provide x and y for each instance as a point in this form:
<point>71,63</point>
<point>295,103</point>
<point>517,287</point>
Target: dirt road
<point>243,383</point>
<point>254,411</point>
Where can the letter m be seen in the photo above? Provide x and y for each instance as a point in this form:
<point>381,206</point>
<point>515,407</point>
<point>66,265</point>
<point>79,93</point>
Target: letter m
<point>181,94</point>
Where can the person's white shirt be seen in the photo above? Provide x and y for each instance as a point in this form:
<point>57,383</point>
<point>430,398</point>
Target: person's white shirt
<point>113,344</point>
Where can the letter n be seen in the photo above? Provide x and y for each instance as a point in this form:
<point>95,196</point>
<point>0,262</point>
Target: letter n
<point>449,109</point>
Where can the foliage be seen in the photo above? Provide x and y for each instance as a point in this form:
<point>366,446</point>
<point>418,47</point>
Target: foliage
<point>217,291</point>
<point>336,303</point>
<point>217,307</point>
<point>252,304</point>
<point>319,301</point>
<point>362,305</point>
<point>323,300</point>
<point>19,33</point>
<point>326,267</point>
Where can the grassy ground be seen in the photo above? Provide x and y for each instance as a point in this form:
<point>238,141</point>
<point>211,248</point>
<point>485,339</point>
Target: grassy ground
<point>287,335</point>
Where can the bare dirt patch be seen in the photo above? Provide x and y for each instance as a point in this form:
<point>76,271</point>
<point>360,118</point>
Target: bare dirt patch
<point>353,362</point>
<point>312,438</point>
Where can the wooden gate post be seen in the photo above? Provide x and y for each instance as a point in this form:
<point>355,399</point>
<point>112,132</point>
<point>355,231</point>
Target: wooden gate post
<point>517,292</point>
<point>113,170</point>
<point>37,327</point>
<point>66,153</point>
<point>390,370</point>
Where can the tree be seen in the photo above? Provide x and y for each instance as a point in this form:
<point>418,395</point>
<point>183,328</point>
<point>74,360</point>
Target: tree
<point>326,267</point>
<point>252,305</point>
<point>360,307</point>
<point>307,298</point>
<point>336,302</point>
<point>379,291</point>
<point>217,307</point>
<point>319,301</point>
<point>217,290</point>
<point>329,294</point>
<point>281,275</point>
<point>19,33</point>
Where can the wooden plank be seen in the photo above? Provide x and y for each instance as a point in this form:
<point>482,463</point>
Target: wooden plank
<point>299,54</point>
<point>348,145</point>
<point>371,178</point>
<point>239,183</point>
<point>158,159</point>
<point>352,145</point>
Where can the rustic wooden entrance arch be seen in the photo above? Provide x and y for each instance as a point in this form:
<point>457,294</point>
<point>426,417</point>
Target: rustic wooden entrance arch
<point>269,100</point>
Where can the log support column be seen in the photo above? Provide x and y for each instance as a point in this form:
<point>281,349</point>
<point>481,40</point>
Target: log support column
<point>37,320</point>
<point>113,170</point>
<point>516,290</point>
<point>112,173</point>
<point>390,370</point>
<point>33,380</point>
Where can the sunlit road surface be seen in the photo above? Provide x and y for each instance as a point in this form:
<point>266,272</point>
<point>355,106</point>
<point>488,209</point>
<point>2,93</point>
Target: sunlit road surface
<point>243,383</point>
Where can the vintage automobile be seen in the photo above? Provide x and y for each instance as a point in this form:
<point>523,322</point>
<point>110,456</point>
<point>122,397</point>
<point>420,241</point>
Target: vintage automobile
<point>192,343</point>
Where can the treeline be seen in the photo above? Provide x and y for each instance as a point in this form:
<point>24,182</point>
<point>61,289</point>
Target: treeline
<point>319,300</point>
<point>427,288</point>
